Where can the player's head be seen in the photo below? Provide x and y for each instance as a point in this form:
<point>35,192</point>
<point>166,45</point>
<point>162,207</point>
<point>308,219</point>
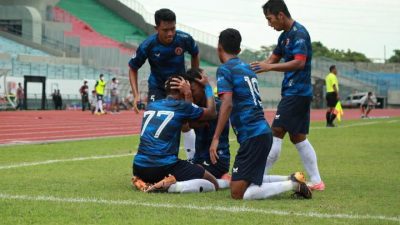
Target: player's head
<point>229,42</point>
<point>276,12</point>
<point>101,76</point>
<point>85,81</point>
<point>332,69</point>
<point>165,25</point>
<point>369,93</point>
<point>199,97</point>
<point>169,86</point>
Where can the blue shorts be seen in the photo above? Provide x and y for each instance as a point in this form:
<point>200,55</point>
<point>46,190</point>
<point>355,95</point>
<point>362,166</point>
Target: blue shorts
<point>293,114</point>
<point>156,94</point>
<point>182,170</point>
<point>218,169</point>
<point>251,159</point>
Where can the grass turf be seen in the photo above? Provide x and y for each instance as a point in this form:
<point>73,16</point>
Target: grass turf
<point>358,162</point>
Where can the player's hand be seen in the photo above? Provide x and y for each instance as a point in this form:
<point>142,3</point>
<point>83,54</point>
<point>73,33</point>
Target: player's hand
<point>204,79</point>
<point>135,103</point>
<point>213,151</point>
<point>182,85</point>
<point>259,67</point>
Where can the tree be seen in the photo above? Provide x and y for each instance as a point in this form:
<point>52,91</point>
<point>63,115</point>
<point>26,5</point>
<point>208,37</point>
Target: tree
<point>259,55</point>
<point>396,57</point>
<point>319,50</point>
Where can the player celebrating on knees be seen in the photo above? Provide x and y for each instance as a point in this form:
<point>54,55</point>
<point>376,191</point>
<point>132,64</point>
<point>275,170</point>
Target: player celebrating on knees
<point>238,90</point>
<point>293,113</point>
<point>205,131</point>
<point>165,51</point>
<point>157,155</point>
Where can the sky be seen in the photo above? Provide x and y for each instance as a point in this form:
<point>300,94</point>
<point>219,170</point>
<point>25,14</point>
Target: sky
<point>366,26</point>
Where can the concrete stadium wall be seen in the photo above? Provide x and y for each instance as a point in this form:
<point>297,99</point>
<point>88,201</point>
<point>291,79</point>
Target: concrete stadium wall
<point>49,60</point>
<point>40,5</point>
<point>378,67</point>
<point>31,44</point>
<point>393,97</point>
<point>30,18</point>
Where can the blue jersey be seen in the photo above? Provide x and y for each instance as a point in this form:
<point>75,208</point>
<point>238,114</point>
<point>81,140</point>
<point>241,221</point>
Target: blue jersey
<point>247,116</point>
<point>164,60</point>
<point>296,44</point>
<point>161,131</point>
<point>204,136</point>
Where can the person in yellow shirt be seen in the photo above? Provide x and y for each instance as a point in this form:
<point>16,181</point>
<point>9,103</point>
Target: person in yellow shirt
<point>100,87</point>
<point>332,95</point>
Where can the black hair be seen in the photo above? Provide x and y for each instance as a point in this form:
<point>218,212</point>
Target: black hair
<point>168,85</point>
<point>101,75</point>
<point>164,15</point>
<point>113,79</point>
<point>275,7</point>
<point>331,68</point>
<point>193,73</point>
<point>369,93</point>
<point>230,40</point>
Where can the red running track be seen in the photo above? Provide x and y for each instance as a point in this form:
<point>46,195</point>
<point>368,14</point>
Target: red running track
<point>46,126</point>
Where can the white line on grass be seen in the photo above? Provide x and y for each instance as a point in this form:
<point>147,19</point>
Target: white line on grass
<point>241,209</point>
<point>63,160</point>
<point>345,126</point>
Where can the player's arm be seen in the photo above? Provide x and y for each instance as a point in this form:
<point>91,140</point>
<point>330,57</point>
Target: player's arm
<point>297,63</point>
<point>210,112</point>
<point>224,113</point>
<point>133,79</point>
<point>274,58</point>
<point>195,61</point>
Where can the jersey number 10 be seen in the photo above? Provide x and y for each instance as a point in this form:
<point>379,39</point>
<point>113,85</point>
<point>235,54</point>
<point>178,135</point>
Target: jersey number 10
<point>253,85</point>
<point>150,114</point>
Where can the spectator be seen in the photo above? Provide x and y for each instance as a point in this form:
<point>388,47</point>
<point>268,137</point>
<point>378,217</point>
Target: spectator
<point>93,101</point>
<point>129,101</point>
<point>54,97</point>
<point>84,95</point>
<point>20,97</point>
<point>368,102</point>
<point>114,95</point>
<point>58,100</point>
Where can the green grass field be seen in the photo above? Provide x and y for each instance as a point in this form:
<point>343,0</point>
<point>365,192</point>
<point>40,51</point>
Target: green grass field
<point>69,183</point>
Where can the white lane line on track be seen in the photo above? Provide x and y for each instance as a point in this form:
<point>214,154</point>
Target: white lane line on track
<point>63,160</point>
<point>75,131</point>
<point>17,142</point>
<point>72,136</point>
<point>233,209</point>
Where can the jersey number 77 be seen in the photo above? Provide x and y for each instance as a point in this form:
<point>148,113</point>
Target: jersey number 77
<point>148,115</point>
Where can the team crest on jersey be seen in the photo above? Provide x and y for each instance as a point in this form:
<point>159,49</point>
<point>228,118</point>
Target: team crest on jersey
<point>178,50</point>
<point>134,55</point>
